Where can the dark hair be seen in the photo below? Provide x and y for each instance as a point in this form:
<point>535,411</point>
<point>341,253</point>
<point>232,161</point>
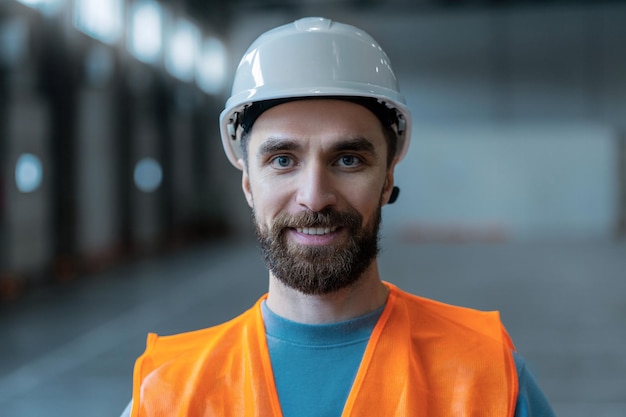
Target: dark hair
<point>388,118</point>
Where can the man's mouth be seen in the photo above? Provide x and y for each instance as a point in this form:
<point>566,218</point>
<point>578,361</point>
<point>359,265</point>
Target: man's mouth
<point>316,230</point>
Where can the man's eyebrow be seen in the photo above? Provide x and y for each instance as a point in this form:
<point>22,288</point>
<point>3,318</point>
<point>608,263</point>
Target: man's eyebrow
<point>274,145</point>
<point>357,144</point>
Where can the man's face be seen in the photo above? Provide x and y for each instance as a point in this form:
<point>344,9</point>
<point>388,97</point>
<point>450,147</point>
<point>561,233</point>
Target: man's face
<point>316,178</point>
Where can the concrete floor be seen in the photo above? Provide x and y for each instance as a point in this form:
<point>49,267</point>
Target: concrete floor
<point>69,351</point>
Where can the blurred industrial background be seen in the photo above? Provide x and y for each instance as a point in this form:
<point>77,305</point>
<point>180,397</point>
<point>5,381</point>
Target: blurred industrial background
<point>119,213</point>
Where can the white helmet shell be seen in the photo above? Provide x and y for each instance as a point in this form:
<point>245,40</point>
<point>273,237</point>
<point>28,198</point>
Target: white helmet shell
<point>312,57</point>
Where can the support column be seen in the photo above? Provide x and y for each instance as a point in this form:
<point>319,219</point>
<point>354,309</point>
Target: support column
<point>621,202</point>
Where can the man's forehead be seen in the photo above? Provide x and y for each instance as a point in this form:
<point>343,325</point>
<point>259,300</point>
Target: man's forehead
<point>331,120</point>
<point>279,144</point>
<point>318,110</point>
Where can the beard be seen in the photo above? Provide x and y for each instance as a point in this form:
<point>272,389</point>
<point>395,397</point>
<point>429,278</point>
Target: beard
<point>317,270</point>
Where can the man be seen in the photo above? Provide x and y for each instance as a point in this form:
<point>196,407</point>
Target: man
<point>316,124</point>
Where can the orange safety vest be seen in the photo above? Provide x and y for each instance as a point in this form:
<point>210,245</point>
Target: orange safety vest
<point>424,358</point>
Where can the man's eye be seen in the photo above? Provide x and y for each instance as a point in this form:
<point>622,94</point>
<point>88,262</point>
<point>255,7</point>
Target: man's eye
<point>349,161</point>
<point>281,161</point>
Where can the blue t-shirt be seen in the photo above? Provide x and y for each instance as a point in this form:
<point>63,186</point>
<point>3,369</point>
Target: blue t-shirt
<point>304,355</point>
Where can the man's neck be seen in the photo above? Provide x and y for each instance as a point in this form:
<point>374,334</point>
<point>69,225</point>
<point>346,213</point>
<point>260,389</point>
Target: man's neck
<point>366,295</point>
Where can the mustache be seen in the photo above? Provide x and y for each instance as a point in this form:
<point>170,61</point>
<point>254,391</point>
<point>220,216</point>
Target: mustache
<point>324,218</point>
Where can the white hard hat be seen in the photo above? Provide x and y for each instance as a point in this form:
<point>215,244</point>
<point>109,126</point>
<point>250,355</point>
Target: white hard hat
<point>312,57</point>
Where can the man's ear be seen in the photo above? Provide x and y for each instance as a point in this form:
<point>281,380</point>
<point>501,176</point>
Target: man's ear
<point>245,184</point>
<point>389,184</point>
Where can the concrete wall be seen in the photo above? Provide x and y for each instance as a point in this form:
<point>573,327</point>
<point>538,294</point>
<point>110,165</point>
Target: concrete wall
<point>507,181</point>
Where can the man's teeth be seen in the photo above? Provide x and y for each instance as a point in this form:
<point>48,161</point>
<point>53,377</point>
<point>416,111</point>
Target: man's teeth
<point>315,230</point>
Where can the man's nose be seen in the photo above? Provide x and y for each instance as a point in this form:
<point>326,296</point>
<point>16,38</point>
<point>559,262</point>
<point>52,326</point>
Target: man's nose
<point>316,188</point>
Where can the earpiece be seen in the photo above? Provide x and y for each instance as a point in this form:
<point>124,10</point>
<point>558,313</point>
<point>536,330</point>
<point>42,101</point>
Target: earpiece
<point>395,192</point>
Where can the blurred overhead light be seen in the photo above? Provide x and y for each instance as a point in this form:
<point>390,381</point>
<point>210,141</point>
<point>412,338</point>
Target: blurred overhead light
<point>146,31</point>
<point>28,173</point>
<point>100,19</point>
<point>148,175</point>
<point>211,66</point>
<point>182,48</point>
<point>48,7</point>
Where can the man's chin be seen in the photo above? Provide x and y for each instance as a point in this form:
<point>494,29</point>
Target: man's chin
<point>312,253</point>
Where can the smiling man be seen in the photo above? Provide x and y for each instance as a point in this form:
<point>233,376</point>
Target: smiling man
<point>317,125</point>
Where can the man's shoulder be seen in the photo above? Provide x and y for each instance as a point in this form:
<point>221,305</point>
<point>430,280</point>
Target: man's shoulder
<point>201,339</point>
<point>439,307</point>
<point>452,321</point>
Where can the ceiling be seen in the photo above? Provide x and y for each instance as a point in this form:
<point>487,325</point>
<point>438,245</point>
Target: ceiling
<point>217,12</point>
